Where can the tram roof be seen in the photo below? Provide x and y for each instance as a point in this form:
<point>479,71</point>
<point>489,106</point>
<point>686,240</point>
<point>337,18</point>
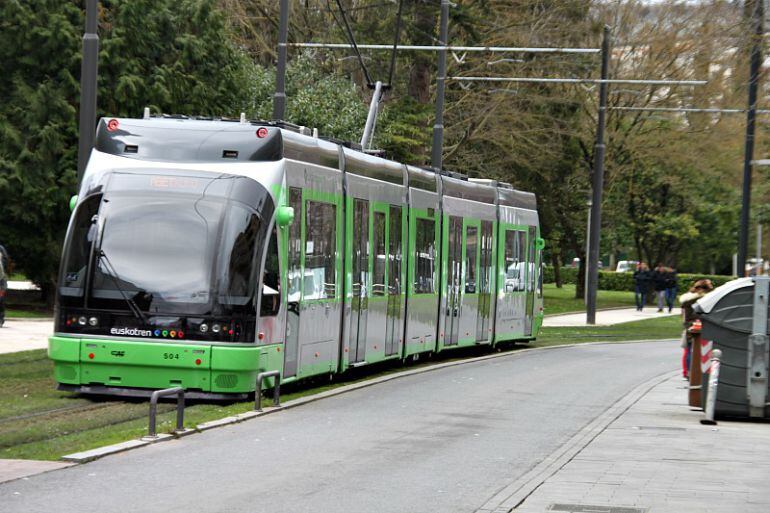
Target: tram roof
<point>200,139</point>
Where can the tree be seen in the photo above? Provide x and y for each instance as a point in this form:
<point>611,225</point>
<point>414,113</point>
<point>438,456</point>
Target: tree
<point>174,56</point>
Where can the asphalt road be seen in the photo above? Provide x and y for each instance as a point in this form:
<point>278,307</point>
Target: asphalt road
<point>443,441</point>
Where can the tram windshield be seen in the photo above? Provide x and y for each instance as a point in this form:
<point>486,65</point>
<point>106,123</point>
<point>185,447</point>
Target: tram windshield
<point>166,250</point>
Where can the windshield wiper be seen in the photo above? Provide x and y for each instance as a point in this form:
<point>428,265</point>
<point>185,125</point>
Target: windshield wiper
<point>101,255</point>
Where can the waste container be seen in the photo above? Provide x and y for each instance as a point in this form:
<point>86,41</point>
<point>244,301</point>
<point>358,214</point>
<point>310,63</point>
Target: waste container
<point>734,319</point>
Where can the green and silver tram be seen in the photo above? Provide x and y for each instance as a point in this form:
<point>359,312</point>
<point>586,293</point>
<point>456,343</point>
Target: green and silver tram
<point>202,252</point>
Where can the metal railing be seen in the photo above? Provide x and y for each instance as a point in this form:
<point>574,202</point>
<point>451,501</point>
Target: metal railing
<point>276,389</point>
<point>179,392</point>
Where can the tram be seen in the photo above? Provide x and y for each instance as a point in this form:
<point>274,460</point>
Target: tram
<point>201,252</point>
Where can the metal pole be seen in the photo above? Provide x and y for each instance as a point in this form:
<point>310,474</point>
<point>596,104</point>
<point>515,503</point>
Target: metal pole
<point>689,109</point>
<point>88,86</point>
<point>443,48</point>
<point>371,119</point>
<point>588,250</point>
<point>279,98</point>
<point>759,241</point>
<point>579,80</point>
<point>598,184</point>
<point>756,61</point>
<point>438,127</point>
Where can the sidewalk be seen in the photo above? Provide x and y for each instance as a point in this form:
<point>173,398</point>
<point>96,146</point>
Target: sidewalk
<point>606,317</point>
<point>656,457</point>
<point>25,334</point>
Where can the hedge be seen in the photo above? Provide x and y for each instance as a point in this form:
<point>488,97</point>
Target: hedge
<point>609,280</point>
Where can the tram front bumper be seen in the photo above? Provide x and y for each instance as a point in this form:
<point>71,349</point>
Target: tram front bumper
<point>152,365</point>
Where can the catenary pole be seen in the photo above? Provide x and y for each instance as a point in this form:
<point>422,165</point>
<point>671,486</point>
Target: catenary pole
<point>279,98</point>
<point>597,186</point>
<point>438,127</point>
<point>756,61</point>
<point>88,74</point>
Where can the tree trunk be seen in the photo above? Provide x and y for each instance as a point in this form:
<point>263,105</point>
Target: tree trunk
<point>420,74</point>
<point>555,261</point>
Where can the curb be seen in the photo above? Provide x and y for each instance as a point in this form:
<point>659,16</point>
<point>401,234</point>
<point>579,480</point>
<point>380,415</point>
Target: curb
<point>517,492</point>
<point>94,454</point>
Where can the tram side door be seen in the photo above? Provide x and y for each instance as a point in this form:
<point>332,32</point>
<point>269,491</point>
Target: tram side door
<point>360,285</point>
<point>394,322</point>
<point>294,278</point>
<point>454,281</point>
<point>530,283</point>
<point>484,283</point>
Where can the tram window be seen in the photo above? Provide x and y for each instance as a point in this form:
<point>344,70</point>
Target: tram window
<point>378,285</point>
<point>294,272</point>
<point>485,276</point>
<point>514,267</point>
<point>271,281</point>
<point>522,258</point>
<point>471,242</point>
<point>83,233</point>
<point>425,249</point>
<point>394,252</point>
<point>320,280</point>
<point>238,244</point>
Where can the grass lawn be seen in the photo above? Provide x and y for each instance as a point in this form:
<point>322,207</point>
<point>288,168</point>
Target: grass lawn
<point>27,314</point>
<point>662,327</point>
<point>557,301</point>
<point>38,422</point>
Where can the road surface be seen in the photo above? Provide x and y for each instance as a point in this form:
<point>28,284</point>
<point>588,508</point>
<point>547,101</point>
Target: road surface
<point>442,441</point>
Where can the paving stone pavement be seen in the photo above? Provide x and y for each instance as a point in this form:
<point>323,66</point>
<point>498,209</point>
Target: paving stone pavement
<point>658,458</point>
<point>25,334</point>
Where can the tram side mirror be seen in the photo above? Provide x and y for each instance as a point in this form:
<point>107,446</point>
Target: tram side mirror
<point>284,216</point>
<point>73,202</point>
<point>539,243</point>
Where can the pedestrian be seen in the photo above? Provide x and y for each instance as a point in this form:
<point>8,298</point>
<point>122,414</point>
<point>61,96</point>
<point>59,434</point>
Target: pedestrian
<point>671,287</point>
<point>641,285</point>
<point>699,289</point>
<point>659,278</point>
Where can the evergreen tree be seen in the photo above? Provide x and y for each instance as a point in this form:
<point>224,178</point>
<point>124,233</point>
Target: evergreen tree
<point>172,55</point>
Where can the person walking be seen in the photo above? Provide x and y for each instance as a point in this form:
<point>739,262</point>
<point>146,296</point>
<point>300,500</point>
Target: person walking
<point>641,285</point>
<point>671,287</point>
<point>659,277</point>
<point>699,289</point>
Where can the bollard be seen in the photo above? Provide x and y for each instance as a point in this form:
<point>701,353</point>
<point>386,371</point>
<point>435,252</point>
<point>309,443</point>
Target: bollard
<point>276,389</point>
<point>695,373</point>
<point>179,392</point>
<point>711,400</point>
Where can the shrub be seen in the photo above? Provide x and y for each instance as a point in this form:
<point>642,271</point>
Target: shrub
<point>609,280</point>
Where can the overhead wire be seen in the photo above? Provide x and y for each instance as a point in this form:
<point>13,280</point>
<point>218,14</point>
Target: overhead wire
<point>352,41</point>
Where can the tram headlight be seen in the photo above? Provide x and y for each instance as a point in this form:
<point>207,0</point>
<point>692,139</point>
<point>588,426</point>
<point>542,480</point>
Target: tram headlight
<point>93,321</point>
<point>215,328</point>
<point>204,328</point>
<point>82,320</point>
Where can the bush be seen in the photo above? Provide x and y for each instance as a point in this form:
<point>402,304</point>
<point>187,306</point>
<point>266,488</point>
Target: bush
<point>609,280</point>
<point>568,275</point>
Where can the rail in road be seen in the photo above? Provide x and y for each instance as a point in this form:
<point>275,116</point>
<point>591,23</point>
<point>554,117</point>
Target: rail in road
<point>442,441</point>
